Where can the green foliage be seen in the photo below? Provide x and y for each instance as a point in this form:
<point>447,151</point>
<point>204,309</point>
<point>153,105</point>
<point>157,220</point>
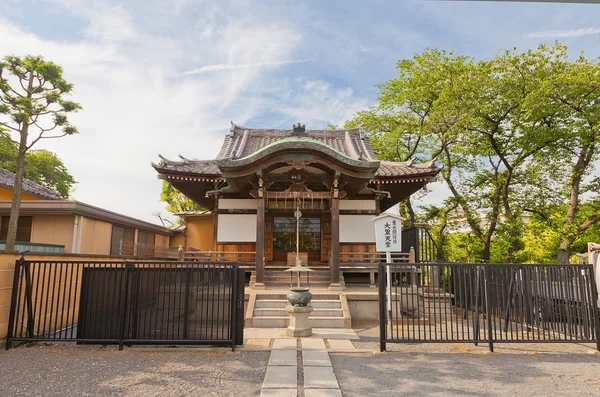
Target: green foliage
<point>41,166</point>
<point>33,107</point>
<point>176,201</point>
<point>31,89</point>
<point>515,134</point>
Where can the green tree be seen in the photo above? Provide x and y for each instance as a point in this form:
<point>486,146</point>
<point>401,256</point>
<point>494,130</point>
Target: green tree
<point>41,166</point>
<point>176,201</point>
<point>572,89</point>
<point>32,105</point>
<point>515,133</point>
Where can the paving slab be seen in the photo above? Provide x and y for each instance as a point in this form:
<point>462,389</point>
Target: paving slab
<point>322,393</point>
<point>315,358</point>
<point>283,357</point>
<point>258,343</point>
<point>341,344</point>
<point>335,333</point>
<point>279,393</point>
<point>280,333</point>
<point>313,344</point>
<point>319,378</point>
<point>265,333</point>
<point>285,344</point>
<point>281,378</point>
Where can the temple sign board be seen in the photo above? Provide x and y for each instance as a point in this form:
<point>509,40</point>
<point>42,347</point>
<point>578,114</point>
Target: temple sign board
<point>388,229</point>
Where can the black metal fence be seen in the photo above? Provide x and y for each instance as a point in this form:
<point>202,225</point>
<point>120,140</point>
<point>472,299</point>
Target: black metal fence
<point>488,303</point>
<point>127,303</point>
<point>419,238</point>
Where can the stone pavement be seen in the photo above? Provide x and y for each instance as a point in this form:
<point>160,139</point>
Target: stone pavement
<point>301,366</point>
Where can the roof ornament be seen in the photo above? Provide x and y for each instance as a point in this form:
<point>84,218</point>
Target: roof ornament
<point>427,164</point>
<point>299,131</point>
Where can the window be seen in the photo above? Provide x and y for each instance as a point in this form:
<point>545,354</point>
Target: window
<point>23,228</point>
<point>119,234</point>
<point>284,233</point>
<point>145,238</point>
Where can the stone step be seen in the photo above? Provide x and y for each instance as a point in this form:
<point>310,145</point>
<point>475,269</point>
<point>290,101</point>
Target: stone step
<point>282,303</point>
<point>283,322</point>
<point>283,313</point>
<point>327,322</point>
<point>270,322</point>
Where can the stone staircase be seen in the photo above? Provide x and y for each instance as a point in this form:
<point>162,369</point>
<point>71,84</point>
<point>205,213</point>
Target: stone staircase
<point>329,312</point>
<point>280,278</point>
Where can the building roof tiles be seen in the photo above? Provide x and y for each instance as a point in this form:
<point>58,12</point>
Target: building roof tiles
<point>242,142</point>
<point>7,180</point>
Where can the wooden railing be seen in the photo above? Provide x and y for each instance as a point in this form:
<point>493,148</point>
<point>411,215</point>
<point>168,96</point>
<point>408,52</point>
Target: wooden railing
<point>245,258</point>
<point>370,259</point>
<point>128,248</point>
<point>368,262</point>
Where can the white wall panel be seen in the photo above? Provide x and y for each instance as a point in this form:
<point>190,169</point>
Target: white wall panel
<point>236,228</point>
<point>357,229</point>
<point>237,204</point>
<point>357,205</point>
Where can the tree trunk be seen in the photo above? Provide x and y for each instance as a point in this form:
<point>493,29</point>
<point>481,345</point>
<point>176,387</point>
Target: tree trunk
<point>411,213</point>
<point>13,223</point>
<point>485,256</point>
<point>583,160</point>
<point>564,255</point>
<point>16,201</point>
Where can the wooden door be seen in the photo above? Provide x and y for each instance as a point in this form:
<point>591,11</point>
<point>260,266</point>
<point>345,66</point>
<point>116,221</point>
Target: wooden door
<point>325,236</point>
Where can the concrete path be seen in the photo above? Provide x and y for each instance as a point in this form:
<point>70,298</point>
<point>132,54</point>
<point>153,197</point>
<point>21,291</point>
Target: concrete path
<point>302,367</point>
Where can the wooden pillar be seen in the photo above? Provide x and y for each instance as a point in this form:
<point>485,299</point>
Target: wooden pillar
<point>335,243</point>
<point>260,241</point>
<point>215,224</point>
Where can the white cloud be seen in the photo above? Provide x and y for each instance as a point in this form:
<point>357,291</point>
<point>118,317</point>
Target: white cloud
<point>562,33</point>
<point>317,103</point>
<point>137,103</point>
<point>227,66</point>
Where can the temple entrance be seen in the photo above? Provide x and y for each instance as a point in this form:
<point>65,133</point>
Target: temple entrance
<point>284,236</point>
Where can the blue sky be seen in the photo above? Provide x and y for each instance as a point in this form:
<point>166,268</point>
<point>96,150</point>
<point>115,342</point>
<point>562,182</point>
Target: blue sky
<point>160,76</point>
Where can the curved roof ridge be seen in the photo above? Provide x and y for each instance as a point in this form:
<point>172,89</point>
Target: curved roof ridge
<point>236,128</point>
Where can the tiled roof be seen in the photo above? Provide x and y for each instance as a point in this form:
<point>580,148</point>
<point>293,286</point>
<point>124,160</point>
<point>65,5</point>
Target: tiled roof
<point>199,167</point>
<point>405,168</point>
<point>7,180</point>
<point>242,142</point>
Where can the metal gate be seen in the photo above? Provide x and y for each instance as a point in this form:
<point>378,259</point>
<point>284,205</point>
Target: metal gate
<point>508,303</point>
<point>127,303</point>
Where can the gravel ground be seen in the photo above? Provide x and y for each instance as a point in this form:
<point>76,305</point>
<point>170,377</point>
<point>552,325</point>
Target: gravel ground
<point>71,370</point>
<point>430,374</point>
<point>443,369</point>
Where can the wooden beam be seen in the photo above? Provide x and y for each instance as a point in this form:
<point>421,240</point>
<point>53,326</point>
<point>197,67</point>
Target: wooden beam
<point>335,244</point>
<point>215,223</point>
<point>260,241</point>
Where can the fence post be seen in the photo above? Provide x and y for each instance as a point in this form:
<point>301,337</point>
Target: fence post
<point>488,311</point>
<point>477,297</point>
<point>233,327</point>
<point>28,297</point>
<point>186,304</point>
<point>595,308</point>
<point>13,303</point>
<point>123,303</point>
<point>382,306</point>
